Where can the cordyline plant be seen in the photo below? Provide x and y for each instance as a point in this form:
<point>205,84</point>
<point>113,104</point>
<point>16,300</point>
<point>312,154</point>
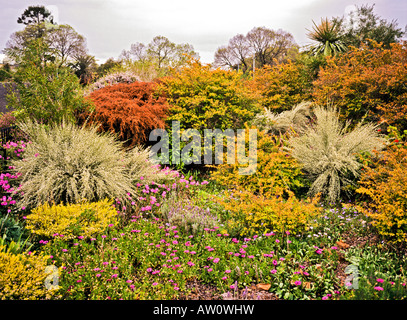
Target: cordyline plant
<point>65,163</point>
<point>328,151</point>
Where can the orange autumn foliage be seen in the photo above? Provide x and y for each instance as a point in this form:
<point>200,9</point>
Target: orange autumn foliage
<point>131,111</point>
<point>384,184</point>
<point>367,83</point>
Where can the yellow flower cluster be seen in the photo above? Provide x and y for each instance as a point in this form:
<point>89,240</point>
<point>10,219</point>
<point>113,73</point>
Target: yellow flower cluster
<point>22,276</point>
<point>258,214</point>
<point>84,219</point>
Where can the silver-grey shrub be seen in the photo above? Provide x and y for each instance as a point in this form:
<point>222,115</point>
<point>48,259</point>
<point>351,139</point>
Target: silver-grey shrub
<point>189,217</point>
<point>66,163</point>
<point>328,151</point>
<point>296,119</point>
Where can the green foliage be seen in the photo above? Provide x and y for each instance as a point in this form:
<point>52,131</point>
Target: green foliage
<point>328,38</point>
<point>328,151</point>
<point>363,24</point>
<point>45,92</point>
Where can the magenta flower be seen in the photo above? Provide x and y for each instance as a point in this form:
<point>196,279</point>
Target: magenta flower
<point>216,260</point>
<point>273,271</point>
<point>378,288</point>
<point>380,280</point>
<point>297,283</point>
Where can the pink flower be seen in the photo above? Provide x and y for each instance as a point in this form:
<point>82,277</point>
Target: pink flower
<point>380,280</point>
<point>155,283</point>
<point>297,283</point>
<point>378,288</point>
<point>224,278</point>
<point>273,271</point>
<point>216,260</point>
<point>228,271</point>
<point>210,270</point>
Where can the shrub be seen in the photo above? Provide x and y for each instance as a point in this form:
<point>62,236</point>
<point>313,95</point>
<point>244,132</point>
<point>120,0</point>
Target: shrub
<point>190,218</point>
<point>8,120</point>
<point>70,221</point>
<point>283,85</point>
<point>112,79</point>
<point>296,119</point>
<point>45,91</point>
<point>203,98</point>
<point>68,164</point>
<point>22,276</point>
<point>366,83</point>
<point>384,185</point>
<point>256,214</point>
<point>328,151</point>
<point>130,110</point>
<point>277,173</point>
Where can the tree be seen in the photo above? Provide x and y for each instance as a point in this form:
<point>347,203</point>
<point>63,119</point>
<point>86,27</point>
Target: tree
<point>269,45</point>
<point>67,43</point>
<point>266,46</point>
<point>35,15</point>
<point>64,43</point>
<point>328,38</point>
<point>168,54</point>
<point>157,59</point>
<point>107,66</point>
<point>363,24</point>
<point>235,54</point>
<point>45,91</point>
<point>38,17</point>
<point>84,67</point>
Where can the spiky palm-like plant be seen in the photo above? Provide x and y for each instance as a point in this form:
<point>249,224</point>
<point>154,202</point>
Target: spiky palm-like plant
<point>328,38</point>
<point>328,151</point>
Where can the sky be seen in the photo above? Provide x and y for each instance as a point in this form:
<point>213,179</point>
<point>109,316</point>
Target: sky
<point>113,25</point>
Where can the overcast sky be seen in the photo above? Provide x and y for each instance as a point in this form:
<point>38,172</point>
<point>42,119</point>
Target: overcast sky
<point>113,25</point>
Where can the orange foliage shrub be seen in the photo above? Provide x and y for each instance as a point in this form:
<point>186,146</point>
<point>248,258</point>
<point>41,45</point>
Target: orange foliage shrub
<point>282,86</point>
<point>367,82</point>
<point>130,110</point>
<point>384,183</point>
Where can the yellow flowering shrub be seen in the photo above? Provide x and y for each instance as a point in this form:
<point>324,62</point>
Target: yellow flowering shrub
<point>384,185</point>
<point>72,220</point>
<point>22,276</point>
<point>256,214</point>
<point>277,173</point>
